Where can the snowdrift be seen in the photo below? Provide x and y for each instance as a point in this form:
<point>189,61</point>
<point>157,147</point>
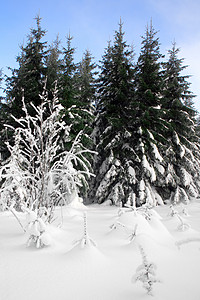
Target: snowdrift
<point>102,271</point>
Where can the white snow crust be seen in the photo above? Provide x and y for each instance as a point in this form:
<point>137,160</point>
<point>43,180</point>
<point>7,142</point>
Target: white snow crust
<point>103,272</point>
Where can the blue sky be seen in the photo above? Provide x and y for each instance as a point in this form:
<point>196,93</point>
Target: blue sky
<point>92,23</point>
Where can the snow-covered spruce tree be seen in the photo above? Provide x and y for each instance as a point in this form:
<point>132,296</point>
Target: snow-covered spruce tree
<point>148,126</point>
<point>182,148</point>
<point>75,92</point>
<point>86,81</point>
<point>84,101</point>
<point>66,83</point>
<point>28,78</point>
<point>85,84</point>
<point>40,172</point>
<point>114,174</point>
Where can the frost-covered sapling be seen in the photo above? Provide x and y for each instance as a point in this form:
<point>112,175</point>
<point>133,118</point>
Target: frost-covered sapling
<point>182,225</point>
<point>146,211</point>
<point>37,230</point>
<point>85,240</point>
<point>172,212</point>
<point>146,273</point>
<point>133,234</point>
<point>40,171</point>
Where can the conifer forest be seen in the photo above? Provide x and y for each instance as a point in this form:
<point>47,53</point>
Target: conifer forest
<point>133,120</point>
<point>101,161</point>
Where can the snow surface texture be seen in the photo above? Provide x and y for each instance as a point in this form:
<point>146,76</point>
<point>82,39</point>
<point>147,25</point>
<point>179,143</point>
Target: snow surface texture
<point>105,271</point>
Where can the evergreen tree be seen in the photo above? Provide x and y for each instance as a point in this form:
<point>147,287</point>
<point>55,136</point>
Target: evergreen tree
<point>27,81</point>
<point>148,124</point>
<point>114,178</point>
<point>29,78</point>
<point>67,87</point>
<point>73,96</point>
<point>68,68</point>
<point>182,153</point>
<point>53,64</point>
<point>85,82</point>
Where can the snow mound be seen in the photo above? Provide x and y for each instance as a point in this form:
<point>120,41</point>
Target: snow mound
<point>136,225</point>
<point>89,255</point>
<point>75,201</point>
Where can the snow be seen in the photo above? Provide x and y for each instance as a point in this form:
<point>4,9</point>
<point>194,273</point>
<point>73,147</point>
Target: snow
<point>64,270</point>
<point>150,169</point>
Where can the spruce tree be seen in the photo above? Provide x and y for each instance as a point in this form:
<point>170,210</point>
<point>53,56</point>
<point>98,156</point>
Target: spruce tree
<point>68,68</point>
<point>73,88</point>
<point>67,88</point>
<point>182,150</point>
<point>28,80</point>
<point>148,124</point>
<point>114,177</point>
<point>53,65</point>
<point>85,82</point>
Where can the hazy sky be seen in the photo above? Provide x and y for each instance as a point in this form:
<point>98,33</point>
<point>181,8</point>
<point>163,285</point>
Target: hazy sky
<point>92,23</point>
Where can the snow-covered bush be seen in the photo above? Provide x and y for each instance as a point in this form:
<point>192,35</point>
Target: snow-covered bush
<point>37,231</point>
<point>40,172</point>
<point>182,225</point>
<point>146,273</point>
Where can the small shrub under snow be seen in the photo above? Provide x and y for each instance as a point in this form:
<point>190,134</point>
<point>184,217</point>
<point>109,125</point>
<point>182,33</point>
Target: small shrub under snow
<point>146,273</point>
<point>37,230</point>
<point>85,240</point>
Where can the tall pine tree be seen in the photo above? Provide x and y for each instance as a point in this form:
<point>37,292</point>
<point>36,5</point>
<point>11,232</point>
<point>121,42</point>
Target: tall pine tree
<point>182,150</point>
<point>68,68</point>
<point>114,178</point>
<point>85,82</point>
<point>53,65</point>
<point>148,124</point>
<point>28,80</point>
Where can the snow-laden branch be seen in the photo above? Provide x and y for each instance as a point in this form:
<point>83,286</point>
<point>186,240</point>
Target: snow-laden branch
<point>40,172</point>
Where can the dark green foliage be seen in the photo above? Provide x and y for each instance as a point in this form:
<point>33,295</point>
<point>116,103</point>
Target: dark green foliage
<point>182,149</point>
<point>68,68</point>
<point>53,65</point>
<point>148,126</point>
<point>77,89</point>
<point>85,83</point>
<point>115,90</point>
<point>28,80</point>
<point>145,130</point>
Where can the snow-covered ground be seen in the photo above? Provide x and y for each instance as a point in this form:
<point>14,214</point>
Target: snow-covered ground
<point>65,271</point>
